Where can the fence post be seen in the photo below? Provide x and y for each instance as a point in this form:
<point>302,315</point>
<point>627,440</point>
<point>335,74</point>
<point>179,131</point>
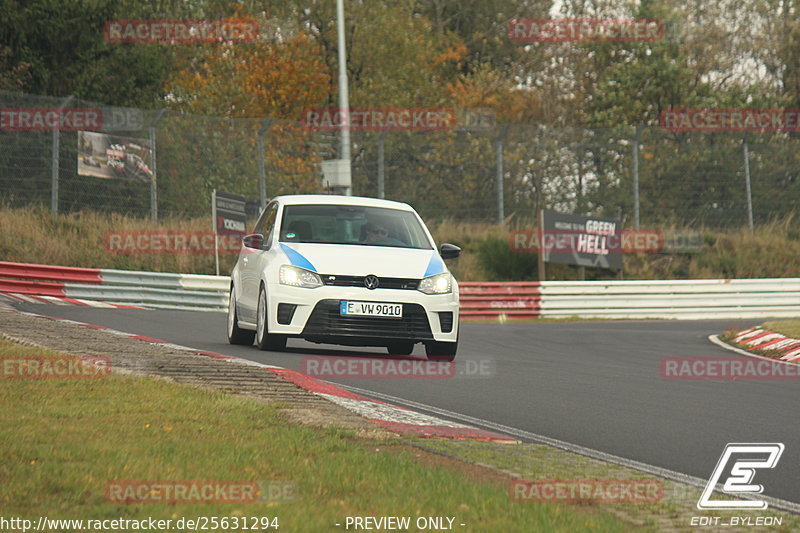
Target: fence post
<point>501,215</point>
<point>54,166</point>
<point>636,140</point>
<point>262,173</point>
<point>381,177</point>
<point>747,183</point>
<point>154,179</point>
<point>579,190</point>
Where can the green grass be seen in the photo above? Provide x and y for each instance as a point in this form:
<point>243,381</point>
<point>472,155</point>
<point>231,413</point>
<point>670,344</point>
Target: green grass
<point>64,440</point>
<point>790,328</point>
<point>532,461</point>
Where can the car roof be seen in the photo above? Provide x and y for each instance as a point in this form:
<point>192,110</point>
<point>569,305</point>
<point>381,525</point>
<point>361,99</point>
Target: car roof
<point>297,199</point>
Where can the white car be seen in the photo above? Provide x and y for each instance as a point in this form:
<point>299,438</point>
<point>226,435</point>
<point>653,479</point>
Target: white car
<point>344,270</point>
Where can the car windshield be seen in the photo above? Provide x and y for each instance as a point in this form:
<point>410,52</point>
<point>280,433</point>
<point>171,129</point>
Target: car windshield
<point>352,224</point>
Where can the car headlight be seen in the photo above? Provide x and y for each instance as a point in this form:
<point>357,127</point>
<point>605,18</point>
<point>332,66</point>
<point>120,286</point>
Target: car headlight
<point>299,277</point>
<point>438,284</point>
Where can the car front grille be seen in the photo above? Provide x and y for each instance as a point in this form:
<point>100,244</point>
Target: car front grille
<point>325,320</point>
<point>358,281</point>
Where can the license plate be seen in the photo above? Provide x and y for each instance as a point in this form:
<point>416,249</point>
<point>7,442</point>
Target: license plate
<point>371,309</point>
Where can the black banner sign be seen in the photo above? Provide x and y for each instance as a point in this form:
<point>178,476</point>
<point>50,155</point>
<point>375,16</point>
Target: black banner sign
<point>229,214</point>
<point>583,241</point>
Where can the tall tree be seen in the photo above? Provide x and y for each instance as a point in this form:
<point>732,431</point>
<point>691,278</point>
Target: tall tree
<point>62,48</point>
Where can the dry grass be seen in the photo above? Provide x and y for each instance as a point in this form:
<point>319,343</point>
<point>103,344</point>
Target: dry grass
<point>33,235</point>
<point>77,239</point>
<point>790,328</point>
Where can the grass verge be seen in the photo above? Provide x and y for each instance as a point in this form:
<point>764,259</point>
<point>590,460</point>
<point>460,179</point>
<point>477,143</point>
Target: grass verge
<point>64,440</point>
<point>790,328</point>
<point>673,512</point>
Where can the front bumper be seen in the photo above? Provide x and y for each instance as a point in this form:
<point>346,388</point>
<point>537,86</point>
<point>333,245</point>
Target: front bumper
<point>316,315</point>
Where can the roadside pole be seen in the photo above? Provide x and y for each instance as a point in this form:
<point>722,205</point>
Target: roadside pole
<point>501,215</point>
<point>262,173</point>
<point>154,178</point>
<point>749,193</point>
<point>540,255</point>
<point>636,141</point>
<point>381,177</point>
<point>54,165</point>
<point>214,227</point>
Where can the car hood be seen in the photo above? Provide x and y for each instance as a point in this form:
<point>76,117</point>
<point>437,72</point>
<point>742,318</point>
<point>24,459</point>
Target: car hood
<point>355,260</point>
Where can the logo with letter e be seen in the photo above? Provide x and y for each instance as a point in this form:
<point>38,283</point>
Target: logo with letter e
<point>746,459</point>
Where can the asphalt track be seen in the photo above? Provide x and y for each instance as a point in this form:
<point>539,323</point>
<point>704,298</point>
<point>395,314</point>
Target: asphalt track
<point>595,384</point>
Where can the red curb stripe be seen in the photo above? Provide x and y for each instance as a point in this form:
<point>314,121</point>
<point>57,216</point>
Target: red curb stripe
<point>313,385</point>
<point>756,337</point>
<point>74,301</point>
<point>92,326</point>
<point>785,350</point>
<point>776,355</point>
<point>769,343</point>
<point>151,340</point>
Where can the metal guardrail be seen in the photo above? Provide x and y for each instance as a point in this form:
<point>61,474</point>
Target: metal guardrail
<point>672,299</point>
<point>147,289</point>
<point>635,299</point>
<point>491,299</point>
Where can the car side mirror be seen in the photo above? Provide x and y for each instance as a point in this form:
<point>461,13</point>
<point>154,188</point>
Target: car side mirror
<point>254,240</point>
<point>449,251</point>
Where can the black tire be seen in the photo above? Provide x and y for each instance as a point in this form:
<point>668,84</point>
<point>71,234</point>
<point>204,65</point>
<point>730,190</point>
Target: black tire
<point>441,351</point>
<point>400,348</point>
<point>265,340</point>
<point>237,335</point>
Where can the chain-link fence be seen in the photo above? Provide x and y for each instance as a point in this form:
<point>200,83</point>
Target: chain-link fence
<point>161,163</point>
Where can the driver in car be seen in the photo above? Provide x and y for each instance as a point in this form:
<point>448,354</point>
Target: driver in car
<point>378,234</point>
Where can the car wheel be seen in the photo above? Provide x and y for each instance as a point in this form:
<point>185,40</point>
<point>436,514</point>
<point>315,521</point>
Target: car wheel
<point>400,348</point>
<point>441,351</point>
<point>237,335</point>
<point>265,340</point>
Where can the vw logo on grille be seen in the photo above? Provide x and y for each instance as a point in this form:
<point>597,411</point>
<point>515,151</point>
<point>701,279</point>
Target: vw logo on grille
<point>371,282</point>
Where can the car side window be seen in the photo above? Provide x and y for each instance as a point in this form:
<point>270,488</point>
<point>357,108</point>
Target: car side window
<point>267,224</point>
